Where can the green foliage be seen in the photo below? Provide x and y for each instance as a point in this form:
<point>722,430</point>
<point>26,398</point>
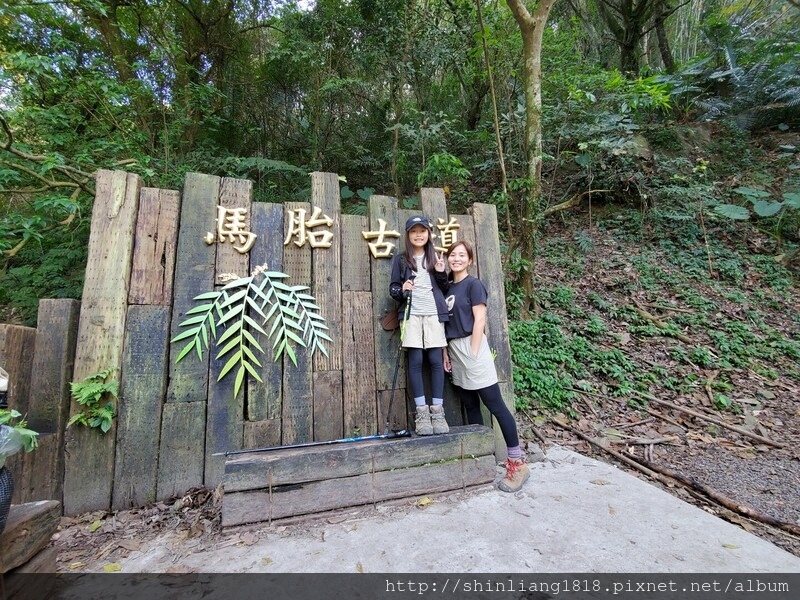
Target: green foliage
<point>90,393</point>
<point>244,307</point>
<point>542,364</point>
<point>13,419</point>
<point>441,169</point>
<point>559,296</point>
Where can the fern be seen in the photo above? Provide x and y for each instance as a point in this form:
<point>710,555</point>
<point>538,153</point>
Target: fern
<point>247,305</point>
<point>89,392</point>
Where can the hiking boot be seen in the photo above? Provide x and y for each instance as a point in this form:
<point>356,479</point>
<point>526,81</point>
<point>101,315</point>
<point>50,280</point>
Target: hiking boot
<point>422,423</point>
<point>437,419</point>
<point>517,473</point>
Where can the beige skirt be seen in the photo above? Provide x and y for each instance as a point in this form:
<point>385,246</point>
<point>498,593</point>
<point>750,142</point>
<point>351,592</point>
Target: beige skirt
<point>471,372</point>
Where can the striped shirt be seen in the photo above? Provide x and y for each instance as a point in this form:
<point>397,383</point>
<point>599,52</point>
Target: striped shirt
<point>422,302</point>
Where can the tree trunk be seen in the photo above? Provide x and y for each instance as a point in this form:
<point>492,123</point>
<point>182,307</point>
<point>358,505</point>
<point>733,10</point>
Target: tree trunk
<point>532,29</point>
<point>663,41</point>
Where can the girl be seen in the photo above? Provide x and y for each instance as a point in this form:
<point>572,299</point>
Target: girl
<point>417,277</point>
<point>469,358</point>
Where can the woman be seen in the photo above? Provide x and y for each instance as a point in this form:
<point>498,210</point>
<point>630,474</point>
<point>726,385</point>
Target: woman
<point>416,280</point>
<point>469,359</point>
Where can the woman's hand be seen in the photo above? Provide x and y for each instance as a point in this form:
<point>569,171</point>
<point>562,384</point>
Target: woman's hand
<point>439,266</point>
<point>448,366</point>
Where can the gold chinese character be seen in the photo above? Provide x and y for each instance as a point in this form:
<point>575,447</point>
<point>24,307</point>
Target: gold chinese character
<point>232,227</point>
<point>449,233</point>
<point>300,229</point>
<point>380,248</point>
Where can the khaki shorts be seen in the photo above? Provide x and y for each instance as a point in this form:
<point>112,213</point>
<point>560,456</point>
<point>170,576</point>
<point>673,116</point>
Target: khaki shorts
<point>424,332</point>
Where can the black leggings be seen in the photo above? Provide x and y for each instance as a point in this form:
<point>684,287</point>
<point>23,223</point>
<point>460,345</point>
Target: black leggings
<point>493,399</point>
<point>415,359</point>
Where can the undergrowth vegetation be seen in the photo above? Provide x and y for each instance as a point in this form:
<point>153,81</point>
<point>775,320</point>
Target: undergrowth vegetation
<point>641,303</point>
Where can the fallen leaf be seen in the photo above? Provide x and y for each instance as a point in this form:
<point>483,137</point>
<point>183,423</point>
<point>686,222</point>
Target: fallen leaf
<point>112,567</point>
<point>130,544</point>
<point>248,539</point>
<point>731,546</point>
<point>423,502</point>
<point>95,526</point>
<point>266,560</point>
<point>613,433</point>
<point>77,565</point>
<point>612,511</point>
<point>360,568</point>
<point>600,482</point>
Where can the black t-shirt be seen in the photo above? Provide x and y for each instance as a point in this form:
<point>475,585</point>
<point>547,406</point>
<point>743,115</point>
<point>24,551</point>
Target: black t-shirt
<point>461,297</point>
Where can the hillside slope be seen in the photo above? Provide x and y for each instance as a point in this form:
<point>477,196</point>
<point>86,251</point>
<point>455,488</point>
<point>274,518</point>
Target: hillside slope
<point>669,342</point>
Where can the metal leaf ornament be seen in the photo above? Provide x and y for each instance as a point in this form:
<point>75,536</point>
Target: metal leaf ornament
<point>253,304</point>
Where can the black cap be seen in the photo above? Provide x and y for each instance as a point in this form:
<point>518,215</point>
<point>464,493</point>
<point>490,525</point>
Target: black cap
<point>418,221</point>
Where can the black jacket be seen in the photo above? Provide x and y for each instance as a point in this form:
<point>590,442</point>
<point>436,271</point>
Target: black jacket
<point>402,272</point>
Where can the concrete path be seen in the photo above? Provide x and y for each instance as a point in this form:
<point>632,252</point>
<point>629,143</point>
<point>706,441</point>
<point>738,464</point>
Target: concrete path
<point>575,515</point>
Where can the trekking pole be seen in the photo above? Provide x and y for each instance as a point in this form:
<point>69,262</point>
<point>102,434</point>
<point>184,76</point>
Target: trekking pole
<point>385,436</point>
<point>397,362</point>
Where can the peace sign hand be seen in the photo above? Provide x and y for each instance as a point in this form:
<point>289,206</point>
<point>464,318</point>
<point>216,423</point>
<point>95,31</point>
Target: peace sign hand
<point>439,266</point>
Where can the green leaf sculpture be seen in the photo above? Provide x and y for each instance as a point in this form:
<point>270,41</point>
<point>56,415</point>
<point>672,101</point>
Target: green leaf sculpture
<point>250,304</point>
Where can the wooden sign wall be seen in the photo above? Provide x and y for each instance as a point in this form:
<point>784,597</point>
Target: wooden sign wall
<point>148,261</point>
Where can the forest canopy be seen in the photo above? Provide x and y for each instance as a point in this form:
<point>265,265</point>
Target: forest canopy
<point>391,95</point>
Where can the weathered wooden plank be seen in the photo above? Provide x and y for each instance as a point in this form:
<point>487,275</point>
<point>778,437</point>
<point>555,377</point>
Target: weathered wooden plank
<point>181,449</point>
<point>194,275</point>
<point>265,398</point>
<point>182,459</point>
<point>89,464</point>
<point>466,233</point>
<point>262,434</point>
<point>298,401</point>
<point>288,466</point>
<point>39,475</point>
<point>225,412</point>
<point>491,273</point>
<point>234,194</point>
<point>154,247</point>
<point>328,411</point>
<point>16,357</point>
<point>327,262</point>
<point>384,208</point>
<point>356,263</point>
<point>224,417</point>
<point>330,494</point>
<point>44,563</point>
<point>296,259</point>
<point>434,206</point>
<point>53,364</point>
<point>360,410</point>
<point>144,372</point>
<point>27,532</point>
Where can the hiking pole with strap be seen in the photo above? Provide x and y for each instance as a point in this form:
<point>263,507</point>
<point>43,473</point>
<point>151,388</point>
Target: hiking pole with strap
<point>385,436</point>
<point>397,362</point>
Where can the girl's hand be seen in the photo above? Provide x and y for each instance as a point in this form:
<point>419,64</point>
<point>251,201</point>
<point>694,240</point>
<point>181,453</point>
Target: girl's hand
<point>448,366</point>
<point>439,266</point>
<point>408,286</point>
